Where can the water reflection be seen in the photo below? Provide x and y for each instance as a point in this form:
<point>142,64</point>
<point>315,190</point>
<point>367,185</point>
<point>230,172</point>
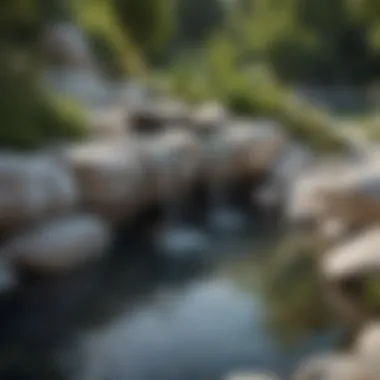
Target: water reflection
<point>141,316</point>
<point>202,330</point>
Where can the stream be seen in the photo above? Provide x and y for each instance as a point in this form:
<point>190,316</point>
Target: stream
<point>142,316</point>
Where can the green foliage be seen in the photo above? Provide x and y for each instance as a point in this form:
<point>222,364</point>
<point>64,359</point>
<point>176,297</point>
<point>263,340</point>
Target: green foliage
<point>18,18</point>
<point>313,40</point>
<point>254,91</point>
<point>198,20</point>
<point>149,23</point>
<point>31,117</point>
<point>112,44</point>
<point>372,293</point>
<point>293,287</point>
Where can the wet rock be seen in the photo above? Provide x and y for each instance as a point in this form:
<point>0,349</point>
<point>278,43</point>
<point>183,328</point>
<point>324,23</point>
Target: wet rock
<point>109,176</point>
<point>333,367</point>
<point>367,346</point>
<point>208,118</point>
<point>354,258</point>
<point>34,186</point>
<point>250,376</point>
<point>245,148</point>
<point>304,204</point>
<point>60,244</point>
<point>172,161</point>
<point>108,122</point>
<point>356,200</point>
<point>349,270</point>
<point>156,116</point>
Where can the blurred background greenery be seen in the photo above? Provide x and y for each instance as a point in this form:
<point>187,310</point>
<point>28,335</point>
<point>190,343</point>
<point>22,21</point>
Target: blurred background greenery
<point>252,55</point>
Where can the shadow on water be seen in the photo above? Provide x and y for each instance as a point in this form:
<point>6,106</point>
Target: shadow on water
<point>139,315</point>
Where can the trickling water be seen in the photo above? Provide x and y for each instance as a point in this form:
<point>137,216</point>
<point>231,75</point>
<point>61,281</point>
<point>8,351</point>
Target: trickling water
<point>223,215</point>
<point>176,237</point>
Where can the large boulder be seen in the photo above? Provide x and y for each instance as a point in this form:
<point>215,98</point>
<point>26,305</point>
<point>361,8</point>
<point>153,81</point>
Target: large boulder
<point>59,244</point>
<point>355,198</point>
<point>367,346</point>
<point>356,257</point>
<point>109,175</point>
<point>245,148</point>
<point>349,272</point>
<point>172,163</point>
<point>108,122</point>
<point>33,186</point>
<point>305,202</point>
<point>333,367</point>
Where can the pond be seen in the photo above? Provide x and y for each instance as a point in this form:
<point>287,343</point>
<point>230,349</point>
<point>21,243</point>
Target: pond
<point>143,316</point>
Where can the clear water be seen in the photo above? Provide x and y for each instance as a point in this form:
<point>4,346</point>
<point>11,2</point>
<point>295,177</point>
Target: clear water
<point>142,316</point>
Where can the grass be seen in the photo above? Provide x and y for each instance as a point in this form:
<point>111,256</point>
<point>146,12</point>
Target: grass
<point>293,289</point>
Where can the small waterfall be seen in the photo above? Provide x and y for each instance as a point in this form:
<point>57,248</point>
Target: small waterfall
<point>223,217</point>
<point>176,237</point>
<point>172,201</point>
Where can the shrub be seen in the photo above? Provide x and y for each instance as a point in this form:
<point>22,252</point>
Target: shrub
<point>30,117</point>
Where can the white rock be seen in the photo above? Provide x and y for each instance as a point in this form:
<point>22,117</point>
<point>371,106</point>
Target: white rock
<point>109,175</point>
<point>326,190</point>
<point>32,186</point>
<point>108,122</point>
<point>210,116</point>
<point>173,161</point>
<point>367,346</point>
<point>333,367</point>
<point>245,148</point>
<point>356,257</point>
<point>304,201</point>
<point>60,244</point>
<point>356,196</point>
<point>250,376</point>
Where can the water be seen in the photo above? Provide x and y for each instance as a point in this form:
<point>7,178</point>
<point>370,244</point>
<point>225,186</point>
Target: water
<point>142,316</point>
<point>176,237</point>
<point>223,216</point>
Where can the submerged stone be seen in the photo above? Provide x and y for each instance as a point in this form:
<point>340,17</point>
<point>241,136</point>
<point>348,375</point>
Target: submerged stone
<point>181,241</point>
<point>333,367</point>
<point>61,244</point>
